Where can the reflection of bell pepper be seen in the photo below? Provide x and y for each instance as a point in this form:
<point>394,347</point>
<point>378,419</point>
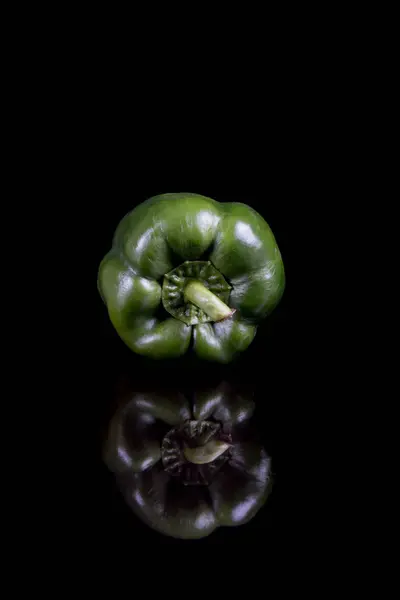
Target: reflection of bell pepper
<point>185,470</point>
<point>183,262</point>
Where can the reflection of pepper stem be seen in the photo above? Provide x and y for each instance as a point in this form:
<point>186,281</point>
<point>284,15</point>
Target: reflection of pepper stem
<point>207,453</point>
<point>201,296</point>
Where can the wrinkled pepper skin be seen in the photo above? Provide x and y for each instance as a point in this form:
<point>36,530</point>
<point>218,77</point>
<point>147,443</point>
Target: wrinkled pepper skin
<point>162,233</point>
<point>132,451</point>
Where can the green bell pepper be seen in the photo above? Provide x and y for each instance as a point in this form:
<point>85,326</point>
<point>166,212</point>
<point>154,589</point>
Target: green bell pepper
<point>183,264</point>
<point>186,468</point>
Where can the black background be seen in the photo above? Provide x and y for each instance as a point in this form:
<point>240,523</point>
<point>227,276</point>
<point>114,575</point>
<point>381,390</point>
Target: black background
<point>273,137</point>
<point>274,370</point>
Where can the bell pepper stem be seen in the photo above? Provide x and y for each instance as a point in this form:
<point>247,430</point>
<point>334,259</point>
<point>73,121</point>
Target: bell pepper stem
<point>202,455</point>
<point>201,296</point>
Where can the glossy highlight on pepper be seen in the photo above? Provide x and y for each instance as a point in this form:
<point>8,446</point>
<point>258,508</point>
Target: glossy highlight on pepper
<point>188,465</point>
<point>184,268</point>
